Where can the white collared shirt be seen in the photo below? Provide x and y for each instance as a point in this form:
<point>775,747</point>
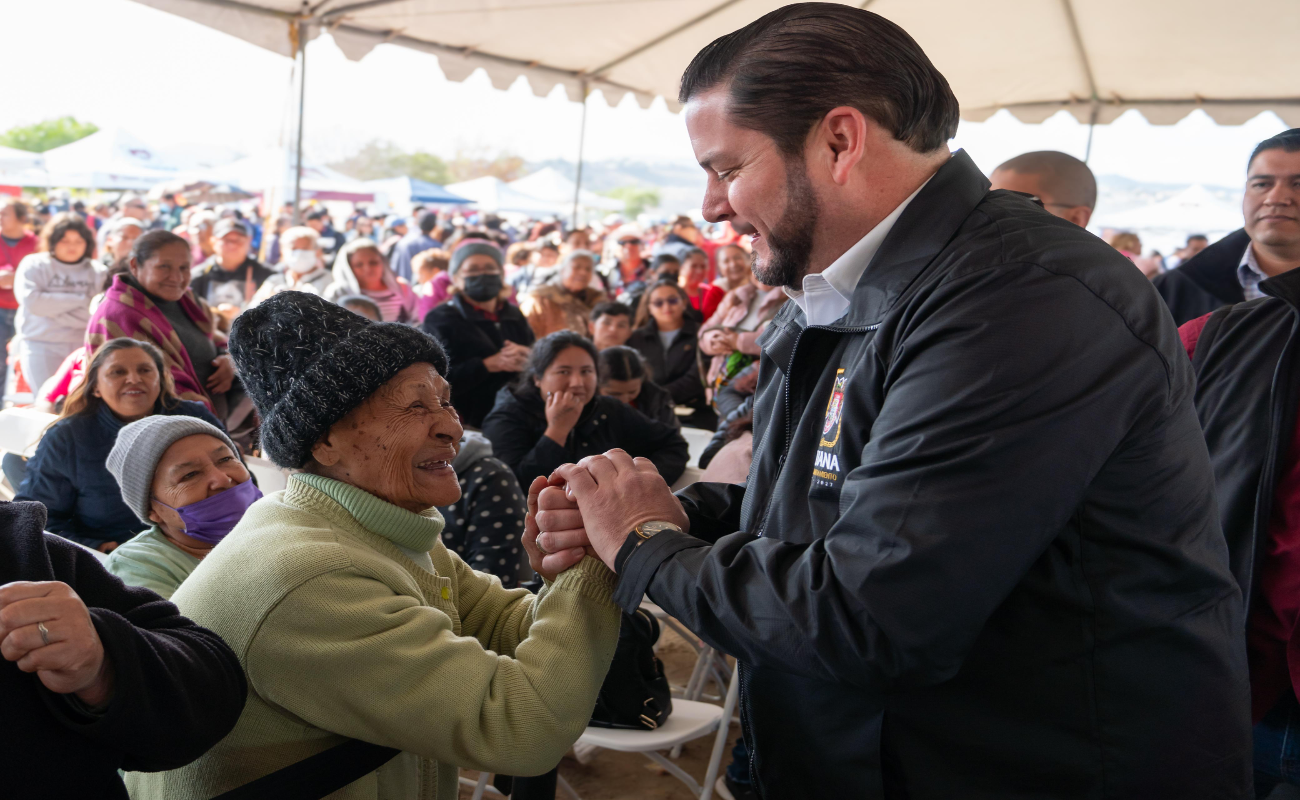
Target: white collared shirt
<point>826,294</point>
<point>1249,274</point>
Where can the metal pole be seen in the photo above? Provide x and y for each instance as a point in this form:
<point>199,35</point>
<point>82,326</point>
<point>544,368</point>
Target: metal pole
<point>1092,125</point>
<point>582,136</point>
<point>302,101</point>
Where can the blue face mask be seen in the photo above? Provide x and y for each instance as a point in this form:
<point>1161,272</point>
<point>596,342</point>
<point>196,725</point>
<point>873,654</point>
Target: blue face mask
<point>211,519</point>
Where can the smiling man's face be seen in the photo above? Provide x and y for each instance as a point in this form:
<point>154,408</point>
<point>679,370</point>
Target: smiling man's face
<point>1272,201</point>
<point>751,183</point>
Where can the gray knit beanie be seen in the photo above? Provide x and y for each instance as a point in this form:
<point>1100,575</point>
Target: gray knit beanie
<point>474,247</point>
<point>141,444</point>
<point>307,362</point>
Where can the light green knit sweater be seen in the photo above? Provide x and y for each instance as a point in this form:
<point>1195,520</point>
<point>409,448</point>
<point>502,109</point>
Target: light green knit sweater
<point>149,559</point>
<point>341,635</point>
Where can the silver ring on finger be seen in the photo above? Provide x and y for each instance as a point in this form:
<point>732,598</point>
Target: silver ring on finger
<point>45,632</point>
<point>540,549</point>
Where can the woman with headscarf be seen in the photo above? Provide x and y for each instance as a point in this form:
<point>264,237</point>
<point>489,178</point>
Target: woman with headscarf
<point>356,628</point>
<point>564,302</point>
<point>360,269</point>
<point>153,302</point>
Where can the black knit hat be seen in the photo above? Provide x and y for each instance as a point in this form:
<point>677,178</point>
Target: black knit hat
<point>307,362</point>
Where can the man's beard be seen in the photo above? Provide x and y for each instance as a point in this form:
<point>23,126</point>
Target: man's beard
<point>790,241</point>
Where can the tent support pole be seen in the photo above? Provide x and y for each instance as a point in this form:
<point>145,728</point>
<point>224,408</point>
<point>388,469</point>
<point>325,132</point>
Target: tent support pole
<point>1092,126</point>
<point>582,137</point>
<point>302,101</point>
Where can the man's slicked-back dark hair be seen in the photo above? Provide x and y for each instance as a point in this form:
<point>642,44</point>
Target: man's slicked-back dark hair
<point>787,69</point>
<point>1288,141</point>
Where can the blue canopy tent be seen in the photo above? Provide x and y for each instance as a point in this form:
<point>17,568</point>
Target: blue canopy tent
<point>410,191</point>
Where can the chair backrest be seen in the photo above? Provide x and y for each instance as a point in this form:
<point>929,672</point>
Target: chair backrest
<point>21,428</point>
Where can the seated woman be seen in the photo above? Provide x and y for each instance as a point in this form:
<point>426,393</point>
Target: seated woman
<point>485,527</point>
<point>487,338</point>
<point>693,277</point>
<point>53,288</point>
<point>154,303</point>
<point>301,267</point>
<point>432,280</point>
<point>565,301</point>
<point>359,268</point>
<point>351,618</point>
<point>733,267</point>
<point>126,381</point>
<point>183,477</point>
<point>553,415</point>
<point>97,676</point>
<point>665,338</point>
<point>730,336</point>
<point>623,377</point>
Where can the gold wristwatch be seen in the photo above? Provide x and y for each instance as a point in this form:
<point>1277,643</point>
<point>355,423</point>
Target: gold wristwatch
<point>648,529</point>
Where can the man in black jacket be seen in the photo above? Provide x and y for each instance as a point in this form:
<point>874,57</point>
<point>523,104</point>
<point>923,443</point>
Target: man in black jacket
<point>98,676</point>
<point>1230,270</point>
<point>977,555</point>
<point>1247,358</point>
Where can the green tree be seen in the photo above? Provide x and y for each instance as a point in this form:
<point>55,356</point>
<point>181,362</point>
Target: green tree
<point>47,135</point>
<point>636,199</point>
<point>467,166</point>
<point>381,159</point>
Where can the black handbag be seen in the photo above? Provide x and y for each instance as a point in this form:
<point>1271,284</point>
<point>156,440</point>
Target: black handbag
<point>635,694</point>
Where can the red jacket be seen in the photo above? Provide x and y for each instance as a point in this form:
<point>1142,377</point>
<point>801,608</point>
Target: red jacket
<point>10,258</point>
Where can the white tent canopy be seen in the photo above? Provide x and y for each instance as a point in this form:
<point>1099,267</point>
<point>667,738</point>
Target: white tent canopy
<point>548,184</point>
<point>1193,210</point>
<point>12,160</point>
<point>269,171</point>
<point>495,196</point>
<point>1095,58</point>
<point>107,159</point>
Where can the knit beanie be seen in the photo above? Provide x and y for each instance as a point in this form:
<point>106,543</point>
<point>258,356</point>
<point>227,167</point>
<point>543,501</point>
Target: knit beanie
<point>307,362</point>
<point>139,446</point>
<point>474,247</point>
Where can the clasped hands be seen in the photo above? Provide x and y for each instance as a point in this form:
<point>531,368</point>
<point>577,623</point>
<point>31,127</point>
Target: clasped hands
<point>591,507</point>
<point>45,628</point>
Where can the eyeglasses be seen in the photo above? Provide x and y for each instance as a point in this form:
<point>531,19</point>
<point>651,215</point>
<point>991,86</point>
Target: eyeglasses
<point>667,301</point>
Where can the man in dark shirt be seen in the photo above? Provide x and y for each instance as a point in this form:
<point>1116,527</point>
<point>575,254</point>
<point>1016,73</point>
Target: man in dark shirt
<point>228,280</point>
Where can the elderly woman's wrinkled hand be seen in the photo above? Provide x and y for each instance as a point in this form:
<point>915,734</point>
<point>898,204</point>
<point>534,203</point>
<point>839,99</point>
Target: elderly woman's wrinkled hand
<point>45,628</point>
<point>546,499</point>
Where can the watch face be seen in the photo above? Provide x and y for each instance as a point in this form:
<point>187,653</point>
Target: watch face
<point>651,528</point>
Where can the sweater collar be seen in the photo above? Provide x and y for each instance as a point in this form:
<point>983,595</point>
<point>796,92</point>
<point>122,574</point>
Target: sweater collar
<point>417,532</point>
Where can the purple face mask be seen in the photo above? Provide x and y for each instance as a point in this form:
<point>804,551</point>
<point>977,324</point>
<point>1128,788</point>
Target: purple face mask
<point>211,519</point>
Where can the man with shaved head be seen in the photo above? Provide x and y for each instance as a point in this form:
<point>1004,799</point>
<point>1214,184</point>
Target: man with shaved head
<point>1062,182</point>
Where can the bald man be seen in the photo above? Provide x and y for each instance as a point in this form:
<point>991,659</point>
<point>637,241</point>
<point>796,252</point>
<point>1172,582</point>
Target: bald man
<point>1064,183</point>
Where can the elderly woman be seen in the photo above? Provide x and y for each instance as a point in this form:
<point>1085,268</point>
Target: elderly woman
<point>487,338</point>
<point>126,380</point>
<point>360,269</point>
<point>97,676</point>
<point>53,288</point>
<point>730,336</point>
<point>153,302</point>
<point>733,267</point>
<point>704,296</point>
<point>554,415</point>
<point>183,477</point>
<point>350,617</point>
<point>302,266</point>
<point>564,303</point>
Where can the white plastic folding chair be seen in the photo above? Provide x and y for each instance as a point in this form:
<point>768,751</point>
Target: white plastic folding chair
<point>690,720</point>
<point>481,786</point>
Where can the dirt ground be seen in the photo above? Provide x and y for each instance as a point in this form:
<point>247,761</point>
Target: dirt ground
<point>632,776</point>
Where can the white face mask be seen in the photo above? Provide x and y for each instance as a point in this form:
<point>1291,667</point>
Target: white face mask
<point>301,261</point>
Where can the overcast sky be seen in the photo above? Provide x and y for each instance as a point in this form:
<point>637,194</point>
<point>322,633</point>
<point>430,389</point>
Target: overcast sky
<point>170,81</point>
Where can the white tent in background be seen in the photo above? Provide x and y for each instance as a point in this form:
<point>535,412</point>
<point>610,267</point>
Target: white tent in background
<point>548,184</point>
<point>269,172</point>
<point>21,168</point>
<point>107,159</point>
<point>495,196</point>
<point>1193,210</point>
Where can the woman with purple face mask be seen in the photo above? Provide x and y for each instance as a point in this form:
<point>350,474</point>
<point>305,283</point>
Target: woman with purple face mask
<point>184,477</point>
